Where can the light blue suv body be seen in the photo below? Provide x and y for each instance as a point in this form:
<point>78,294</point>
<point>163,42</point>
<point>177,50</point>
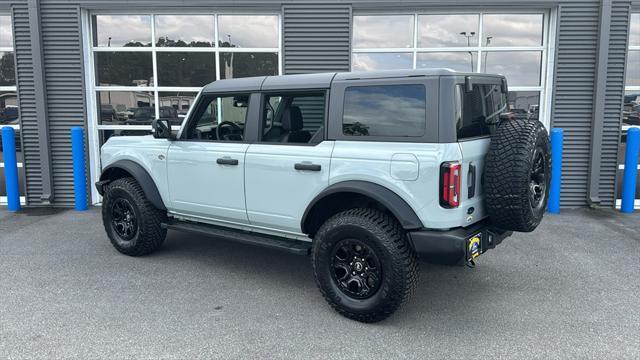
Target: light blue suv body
<point>273,187</point>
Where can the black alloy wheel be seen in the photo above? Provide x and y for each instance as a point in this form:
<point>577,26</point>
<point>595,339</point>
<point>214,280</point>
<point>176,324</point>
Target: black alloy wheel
<point>123,219</point>
<point>356,268</point>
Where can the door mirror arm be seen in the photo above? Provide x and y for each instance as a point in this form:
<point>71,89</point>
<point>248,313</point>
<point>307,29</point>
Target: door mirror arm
<point>162,129</point>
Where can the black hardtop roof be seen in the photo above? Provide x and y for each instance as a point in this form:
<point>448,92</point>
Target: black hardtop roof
<point>321,80</point>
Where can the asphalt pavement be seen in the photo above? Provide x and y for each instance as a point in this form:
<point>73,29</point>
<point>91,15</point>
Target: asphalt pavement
<point>570,289</point>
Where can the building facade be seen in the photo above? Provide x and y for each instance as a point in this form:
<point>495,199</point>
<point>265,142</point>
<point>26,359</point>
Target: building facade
<point>113,66</point>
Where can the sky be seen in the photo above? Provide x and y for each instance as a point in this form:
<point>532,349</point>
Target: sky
<point>246,31</point>
<point>6,32</point>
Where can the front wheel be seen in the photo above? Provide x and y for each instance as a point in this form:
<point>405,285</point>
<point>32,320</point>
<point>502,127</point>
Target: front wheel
<point>132,223</point>
<point>364,264</point>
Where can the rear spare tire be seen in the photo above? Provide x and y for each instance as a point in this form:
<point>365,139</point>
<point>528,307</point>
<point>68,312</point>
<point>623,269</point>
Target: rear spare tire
<point>517,175</point>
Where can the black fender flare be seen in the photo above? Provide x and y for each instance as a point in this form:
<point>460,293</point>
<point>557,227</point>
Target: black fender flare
<point>389,199</point>
<point>137,172</point>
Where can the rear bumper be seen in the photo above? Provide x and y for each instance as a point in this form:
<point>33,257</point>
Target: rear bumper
<point>451,246</point>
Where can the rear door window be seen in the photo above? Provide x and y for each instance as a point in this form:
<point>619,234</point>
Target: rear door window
<point>478,109</point>
<point>385,111</point>
<point>293,117</point>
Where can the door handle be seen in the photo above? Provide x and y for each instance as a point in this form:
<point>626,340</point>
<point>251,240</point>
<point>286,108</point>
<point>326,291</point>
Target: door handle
<point>310,167</point>
<point>471,178</point>
<point>227,161</point>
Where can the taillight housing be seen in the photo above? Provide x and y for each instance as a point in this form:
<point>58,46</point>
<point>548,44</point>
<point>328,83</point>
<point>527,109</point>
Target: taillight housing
<point>450,184</point>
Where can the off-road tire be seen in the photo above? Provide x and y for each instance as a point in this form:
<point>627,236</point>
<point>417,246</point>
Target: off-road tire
<point>149,234</point>
<point>508,174</point>
<point>398,259</point>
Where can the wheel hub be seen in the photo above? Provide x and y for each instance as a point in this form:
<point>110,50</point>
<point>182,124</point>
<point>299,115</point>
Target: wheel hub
<point>355,268</point>
<point>123,219</point>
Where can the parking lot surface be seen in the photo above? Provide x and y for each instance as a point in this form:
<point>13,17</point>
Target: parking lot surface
<point>568,290</point>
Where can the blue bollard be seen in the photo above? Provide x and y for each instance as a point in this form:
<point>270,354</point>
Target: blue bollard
<point>557,138</point>
<point>79,168</point>
<point>10,168</point>
<point>630,170</point>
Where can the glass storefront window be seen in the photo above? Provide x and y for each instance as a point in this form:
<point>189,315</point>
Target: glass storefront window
<point>181,102</point>
<point>380,31</point>
<point>512,30</point>
<point>459,61</point>
<point>124,68</point>
<point>524,104</point>
<point>633,68</point>
<point>511,44</point>
<point>184,30</point>
<point>6,31</point>
<point>9,113</point>
<point>141,75</point>
<point>7,69</point>
<point>126,107</point>
<point>448,30</point>
<point>248,31</point>
<point>521,68</point>
<point>121,30</point>
<point>188,69</point>
<point>241,64</point>
<point>381,61</point>
<point>634,31</point>
<point>631,108</point>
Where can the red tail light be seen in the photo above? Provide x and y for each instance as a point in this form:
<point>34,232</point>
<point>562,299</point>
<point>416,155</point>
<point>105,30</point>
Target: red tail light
<point>450,184</point>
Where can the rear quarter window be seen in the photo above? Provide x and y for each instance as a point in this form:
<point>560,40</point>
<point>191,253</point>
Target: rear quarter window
<point>478,109</point>
<point>385,111</point>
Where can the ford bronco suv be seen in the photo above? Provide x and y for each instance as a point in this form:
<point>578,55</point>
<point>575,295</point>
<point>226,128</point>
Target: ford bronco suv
<point>367,172</point>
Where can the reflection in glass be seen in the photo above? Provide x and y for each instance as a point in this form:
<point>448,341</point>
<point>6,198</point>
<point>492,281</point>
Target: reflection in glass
<point>459,61</point>
<point>126,107</point>
<point>381,61</point>
<point>124,69</point>
<point>377,31</point>
<point>185,68</point>
<point>448,30</point>
<point>237,65</point>
<point>184,30</point>
<point>104,135</point>
<point>20,158</point>
<point>180,102</point>
<point>386,110</point>
<point>248,31</point>
<point>8,108</point>
<point>633,68</point>
<point>512,30</point>
<point>631,108</point>
<point>524,104</point>
<point>634,31</point>
<point>6,32</point>
<point>7,69</point>
<point>121,30</point>
<point>521,68</point>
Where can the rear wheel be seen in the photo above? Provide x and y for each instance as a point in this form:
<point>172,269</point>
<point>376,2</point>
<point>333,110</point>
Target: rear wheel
<point>363,264</point>
<point>132,223</point>
<point>517,175</point>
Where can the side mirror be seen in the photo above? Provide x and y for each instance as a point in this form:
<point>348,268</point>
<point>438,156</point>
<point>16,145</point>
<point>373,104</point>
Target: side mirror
<point>161,129</point>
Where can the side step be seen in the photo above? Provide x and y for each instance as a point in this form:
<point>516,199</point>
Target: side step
<point>246,237</point>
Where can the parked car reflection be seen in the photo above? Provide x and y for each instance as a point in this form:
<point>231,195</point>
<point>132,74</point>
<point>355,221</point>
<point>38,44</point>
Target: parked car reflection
<point>631,110</point>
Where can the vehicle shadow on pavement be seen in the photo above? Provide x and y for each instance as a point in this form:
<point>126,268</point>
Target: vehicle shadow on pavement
<point>441,289</point>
